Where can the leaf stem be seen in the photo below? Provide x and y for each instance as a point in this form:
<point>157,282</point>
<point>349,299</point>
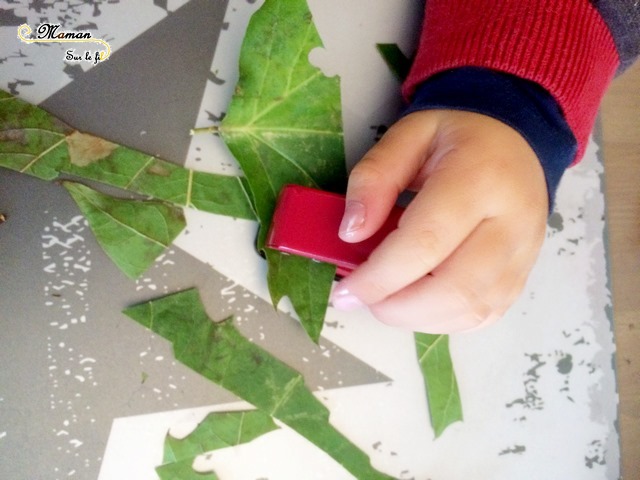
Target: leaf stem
<point>212,129</point>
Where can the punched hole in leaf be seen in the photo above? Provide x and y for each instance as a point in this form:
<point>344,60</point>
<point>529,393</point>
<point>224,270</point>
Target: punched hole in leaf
<point>320,58</point>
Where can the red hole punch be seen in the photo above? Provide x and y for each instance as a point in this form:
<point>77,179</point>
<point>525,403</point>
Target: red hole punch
<point>306,223</point>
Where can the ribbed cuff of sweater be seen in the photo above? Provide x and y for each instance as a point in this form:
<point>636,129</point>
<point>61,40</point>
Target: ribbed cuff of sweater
<point>521,104</point>
<point>564,46</point>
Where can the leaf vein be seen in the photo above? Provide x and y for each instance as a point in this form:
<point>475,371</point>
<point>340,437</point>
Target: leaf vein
<point>189,189</point>
<point>276,103</point>
<point>265,71</point>
<point>430,348</point>
<point>122,224</point>
<point>266,176</point>
<point>301,50</point>
<point>286,394</point>
<point>41,155</point>
<point>239,437</point>
<point>288,158</point>
<point>137,174</point>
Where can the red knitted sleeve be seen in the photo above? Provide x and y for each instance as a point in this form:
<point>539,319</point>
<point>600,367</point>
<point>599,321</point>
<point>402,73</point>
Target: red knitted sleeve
<point>564,46</point>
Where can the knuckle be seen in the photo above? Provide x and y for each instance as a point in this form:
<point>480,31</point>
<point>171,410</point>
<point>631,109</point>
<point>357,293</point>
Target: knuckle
<point>427,240</point>
<point>377,289</point>
<point>372,173</point>
<point>366,172</point>
<point>479,309</point>
<point>425,246</point>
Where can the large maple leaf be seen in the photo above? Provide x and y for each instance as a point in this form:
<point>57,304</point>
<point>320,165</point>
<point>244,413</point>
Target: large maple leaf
<point>284,126</point>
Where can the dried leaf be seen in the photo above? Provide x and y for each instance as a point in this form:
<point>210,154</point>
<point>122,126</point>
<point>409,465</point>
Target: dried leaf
<point>445,406</point>
<point>284,125</point>
<point>217,430</point>
<point>220,353</point>
<point>133,233</point>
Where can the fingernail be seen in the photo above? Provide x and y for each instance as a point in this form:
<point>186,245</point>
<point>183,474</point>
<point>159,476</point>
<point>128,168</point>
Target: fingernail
<point>353,219</point>
<point>343,299</point>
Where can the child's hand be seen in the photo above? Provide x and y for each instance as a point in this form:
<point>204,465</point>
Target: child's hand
<point>466,243</point>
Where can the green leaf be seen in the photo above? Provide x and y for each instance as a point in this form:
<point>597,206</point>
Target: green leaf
<point>307,281</point>
<point>217,430</point>
<point>396,60</point>
<point>220,353</point>
<point>133,233</point>
<point>284,126</point>
<point>35,142</point>
<point>445,406</point>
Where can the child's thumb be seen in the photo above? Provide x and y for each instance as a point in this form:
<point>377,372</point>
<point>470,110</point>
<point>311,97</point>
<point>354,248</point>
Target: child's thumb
<point>370,197</point>
<point>383,173</point>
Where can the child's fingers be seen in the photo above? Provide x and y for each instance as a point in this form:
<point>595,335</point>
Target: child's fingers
<point>433,305</point>
<point>466,243</point>
<point>437,221</point>
<point>473,287</point>
<point>383,173</point>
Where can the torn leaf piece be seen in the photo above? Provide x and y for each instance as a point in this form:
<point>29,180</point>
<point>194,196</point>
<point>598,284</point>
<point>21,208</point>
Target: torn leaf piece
<point>183,470</point>
<point>35,142</point>
<point>217,430</point>
<point>445,406</point>
<point>284,125</point>
<point>220,353</point>
<point>140,173</point>
<point>133,233</point>
<point>306,281</point>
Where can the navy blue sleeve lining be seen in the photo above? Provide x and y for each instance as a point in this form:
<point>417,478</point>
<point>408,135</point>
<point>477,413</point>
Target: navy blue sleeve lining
<point>521,104</point>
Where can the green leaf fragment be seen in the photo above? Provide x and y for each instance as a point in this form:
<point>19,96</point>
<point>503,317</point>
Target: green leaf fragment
<point>35,142</point>
<point>133,233</point>
<point>307,281</point>
<point>220,353</point>
<point>183,470</point>
<point>284,126</point>
<point>445,406</point>
<point>284,121</point>
<point>217,430</point>
<point>399,64</point>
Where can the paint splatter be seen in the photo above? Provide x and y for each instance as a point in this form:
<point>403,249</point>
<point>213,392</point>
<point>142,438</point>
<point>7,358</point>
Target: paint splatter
<point>66,264</point>
<point>531,399</point>
<point>595,454</point>
<point>515,450</point>
<point>565,364</point>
